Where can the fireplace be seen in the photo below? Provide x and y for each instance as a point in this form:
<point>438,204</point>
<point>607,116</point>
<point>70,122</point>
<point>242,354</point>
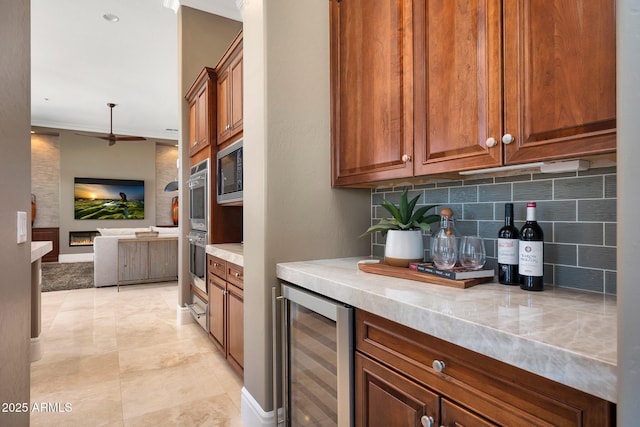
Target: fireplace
<point>82,238</point>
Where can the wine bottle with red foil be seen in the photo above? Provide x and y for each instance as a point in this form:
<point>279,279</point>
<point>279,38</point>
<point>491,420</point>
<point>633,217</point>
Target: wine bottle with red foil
<point>531,252</point>
<point>508,246</point>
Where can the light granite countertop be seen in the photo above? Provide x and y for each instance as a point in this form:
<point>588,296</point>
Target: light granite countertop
<point>40,249</point>
<point>564,335</point>
<point>230,252</point>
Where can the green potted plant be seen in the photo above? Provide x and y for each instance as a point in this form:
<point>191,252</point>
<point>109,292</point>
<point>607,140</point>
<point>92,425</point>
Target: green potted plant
<point>404,230</point>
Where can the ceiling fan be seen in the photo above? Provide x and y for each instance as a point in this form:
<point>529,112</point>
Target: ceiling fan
<point>110,136</point>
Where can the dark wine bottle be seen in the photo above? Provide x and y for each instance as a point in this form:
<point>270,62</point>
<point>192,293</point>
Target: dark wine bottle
<point>531,252</point>
<point>508,246</point>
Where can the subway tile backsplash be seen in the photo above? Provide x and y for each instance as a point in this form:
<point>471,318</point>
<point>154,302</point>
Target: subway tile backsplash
<point>577,212</point>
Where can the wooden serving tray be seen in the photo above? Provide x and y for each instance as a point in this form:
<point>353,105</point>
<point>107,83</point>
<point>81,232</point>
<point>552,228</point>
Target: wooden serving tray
<point>406,273</point>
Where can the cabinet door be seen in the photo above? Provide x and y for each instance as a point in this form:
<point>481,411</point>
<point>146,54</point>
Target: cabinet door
<point>235,110</point>
<point>199,121</point>
<point>458,85</point>
<point>371,90</point>
<point>133,261</point>
<point>217,307</point>
<point>385,398</point>
<point>560,87</point>
<point>193,124</point>
<point>235,327</point>
<point>202,119</point>
<point>224,87</point>
<point>200,97</point>
<point>51,234</point>
<point>163,259</point>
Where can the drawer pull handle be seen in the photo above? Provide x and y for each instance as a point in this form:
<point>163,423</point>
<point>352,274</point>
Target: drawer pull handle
<point>427,421</point>
<point>438,365</point>
<point>237,275</point>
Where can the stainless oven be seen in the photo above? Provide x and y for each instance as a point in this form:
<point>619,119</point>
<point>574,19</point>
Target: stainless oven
<point>316,360</point>
<point>199,196</point>
<point>198,259</point>
<point>198,277</point>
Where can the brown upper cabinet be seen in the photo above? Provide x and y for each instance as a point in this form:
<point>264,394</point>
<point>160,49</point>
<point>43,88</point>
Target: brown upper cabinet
<point>201,98</point>
<point>230,86</point>
<point>426,87</point>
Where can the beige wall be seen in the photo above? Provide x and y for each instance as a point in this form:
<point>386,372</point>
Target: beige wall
<point>628,103</point>
<point>86,157</point>
<point>290,210</point>
<point>202,40</point>
<point>15,170</point>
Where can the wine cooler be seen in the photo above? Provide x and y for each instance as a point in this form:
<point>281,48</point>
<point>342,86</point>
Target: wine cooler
<point>317,360</point>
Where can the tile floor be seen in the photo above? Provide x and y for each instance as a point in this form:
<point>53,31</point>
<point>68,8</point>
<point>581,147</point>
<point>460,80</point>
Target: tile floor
<point>119,359</point>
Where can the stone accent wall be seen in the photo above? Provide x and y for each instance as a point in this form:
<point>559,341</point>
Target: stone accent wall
<point>45,179</point>
<point>577,212</point>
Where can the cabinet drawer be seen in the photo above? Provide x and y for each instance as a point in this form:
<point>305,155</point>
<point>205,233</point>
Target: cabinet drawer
<point>499,392</point>
<point>217,266</point>
<point>235,275</point>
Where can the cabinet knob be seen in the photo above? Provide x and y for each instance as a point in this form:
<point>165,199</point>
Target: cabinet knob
<point>427,421</point>
<point>406,158</point>
<point>438,365</point>
<point>507,138</point>
<point>491,142</point>
<point>237,275</point>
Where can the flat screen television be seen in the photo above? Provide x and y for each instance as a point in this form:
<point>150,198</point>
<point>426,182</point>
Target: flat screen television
<point>99,198</point>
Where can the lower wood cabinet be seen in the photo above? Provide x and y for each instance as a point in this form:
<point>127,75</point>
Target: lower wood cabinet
<point>147,260</point>
<point>51,234</point>
<point>405,377</point>
<point>226,309</point>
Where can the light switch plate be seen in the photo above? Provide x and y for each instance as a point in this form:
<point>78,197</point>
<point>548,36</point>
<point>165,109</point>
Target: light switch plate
<point>22,227</point>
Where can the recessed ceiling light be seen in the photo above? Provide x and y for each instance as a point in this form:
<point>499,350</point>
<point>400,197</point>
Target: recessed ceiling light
<point>110,17</point>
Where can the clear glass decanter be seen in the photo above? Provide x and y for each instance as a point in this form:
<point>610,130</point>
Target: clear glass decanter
<point>444,242</point>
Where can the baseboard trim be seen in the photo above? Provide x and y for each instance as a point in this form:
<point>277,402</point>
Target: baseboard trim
<point>36,349</point>
<point>252,413</point>
<point>184,317</point>
<point>88,257</point>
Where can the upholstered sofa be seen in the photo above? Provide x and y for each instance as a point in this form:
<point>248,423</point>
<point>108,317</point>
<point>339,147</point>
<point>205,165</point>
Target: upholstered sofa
<point>105,251</point>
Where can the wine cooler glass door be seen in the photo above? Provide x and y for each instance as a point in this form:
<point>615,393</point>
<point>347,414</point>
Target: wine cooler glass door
<point>319,362</point>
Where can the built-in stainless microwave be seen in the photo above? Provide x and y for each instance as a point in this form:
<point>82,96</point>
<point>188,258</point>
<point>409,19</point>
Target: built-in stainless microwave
<point>230,173</point>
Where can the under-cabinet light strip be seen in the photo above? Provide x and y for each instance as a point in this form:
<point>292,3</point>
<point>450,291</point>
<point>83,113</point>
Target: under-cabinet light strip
<point>502,168</point>
<point>545,167</point>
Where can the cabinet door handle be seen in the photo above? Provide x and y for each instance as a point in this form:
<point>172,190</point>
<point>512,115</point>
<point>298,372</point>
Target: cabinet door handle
<point>438,365</point>
<point>507,138</point>
<point>491,142</point>
<point>237,275</point>
<point>406,158</point>
<point>427,421</point>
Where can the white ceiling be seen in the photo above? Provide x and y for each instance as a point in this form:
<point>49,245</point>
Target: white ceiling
<point>80,62</point>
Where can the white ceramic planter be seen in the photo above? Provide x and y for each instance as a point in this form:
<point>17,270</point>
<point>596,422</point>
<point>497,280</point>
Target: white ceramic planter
<point>403,247</point>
